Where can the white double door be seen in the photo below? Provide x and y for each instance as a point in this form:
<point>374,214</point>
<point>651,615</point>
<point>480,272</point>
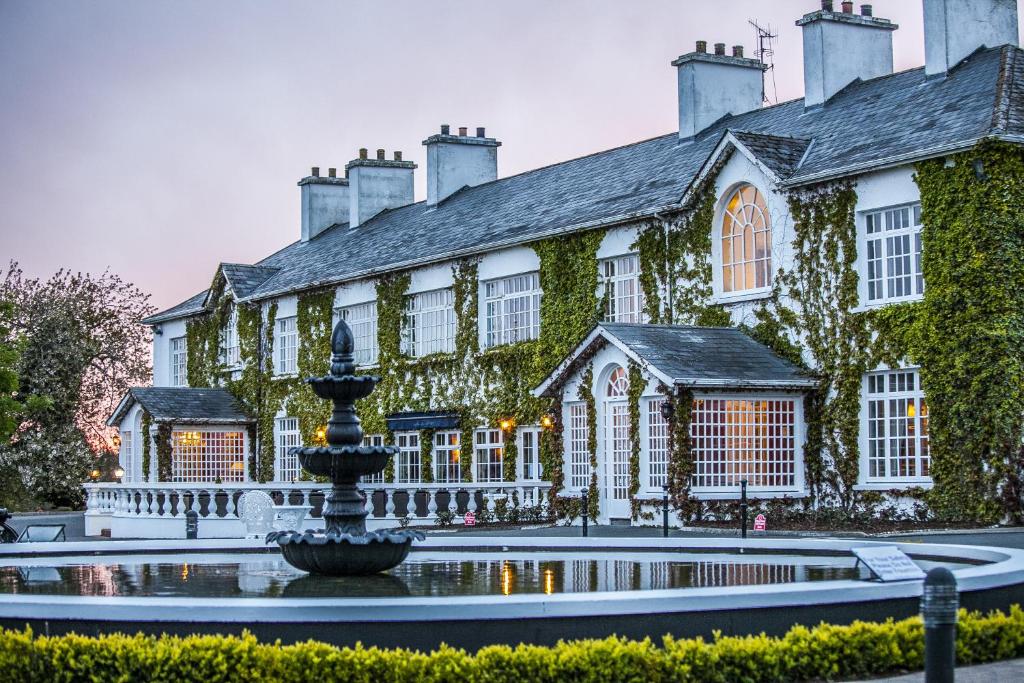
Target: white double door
<point>615,492</point>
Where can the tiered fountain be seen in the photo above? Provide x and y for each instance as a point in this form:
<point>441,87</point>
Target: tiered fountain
<point>344,548</point>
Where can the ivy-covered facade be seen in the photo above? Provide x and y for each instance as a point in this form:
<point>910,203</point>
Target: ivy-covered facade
<point>886,281</point>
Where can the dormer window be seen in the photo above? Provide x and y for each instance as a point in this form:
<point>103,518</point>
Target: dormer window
<point>746,242</point>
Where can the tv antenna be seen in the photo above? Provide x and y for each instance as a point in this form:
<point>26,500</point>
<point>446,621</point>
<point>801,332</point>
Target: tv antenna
<point>765,54</point>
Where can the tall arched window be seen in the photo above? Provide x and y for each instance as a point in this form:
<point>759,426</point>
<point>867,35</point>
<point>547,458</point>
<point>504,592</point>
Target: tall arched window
<point>746,241</point>
<point>618,384</point>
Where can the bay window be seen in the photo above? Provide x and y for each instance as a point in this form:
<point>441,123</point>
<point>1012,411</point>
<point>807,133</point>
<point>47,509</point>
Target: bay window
<point>208,455</point>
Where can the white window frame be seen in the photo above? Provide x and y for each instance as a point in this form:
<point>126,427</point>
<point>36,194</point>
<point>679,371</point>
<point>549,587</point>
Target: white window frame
<point>230,350</point>
<point>511,309</point>
<point>729,486</point>
<point>447,451</point>
<point>921,438</point>
<point>286,436</point>
<point>429,323</point>
<point>362,319</point>
<point>286,346</point>
<point>620,289</point>
<point>408,462</point>
<point>718,252</point>
<point>373,440</point>
<point>127,455</point>
<point>488,456</point>
<point>577,452</point>
<point>878,231</point>
<point>226,449</point>
<point>653,443</point>
<point>179,361</point>
<point>530,469</point>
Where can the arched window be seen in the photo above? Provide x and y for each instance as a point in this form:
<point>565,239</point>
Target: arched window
<point>746,241</point>
<point>618,384</point>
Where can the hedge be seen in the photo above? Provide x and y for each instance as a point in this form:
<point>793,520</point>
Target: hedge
<point>824,652</point>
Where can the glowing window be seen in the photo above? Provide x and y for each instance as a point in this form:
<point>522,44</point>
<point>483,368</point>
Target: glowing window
<point>618,384</point>
<point>746,242</point>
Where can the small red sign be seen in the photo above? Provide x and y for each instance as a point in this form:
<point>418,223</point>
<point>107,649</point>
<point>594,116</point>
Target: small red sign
<point>469,519</point>
<point>760,523</point>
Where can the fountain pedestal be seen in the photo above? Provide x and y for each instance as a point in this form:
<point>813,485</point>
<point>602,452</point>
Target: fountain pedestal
<point>344,547</point>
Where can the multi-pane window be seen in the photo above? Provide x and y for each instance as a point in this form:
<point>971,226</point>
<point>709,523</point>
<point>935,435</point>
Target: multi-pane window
<point>429,323</point>
<point>208,455</point>
<point>579,452</point>
<point>741,438</point>
<point>487,454</point>
<point>512,309</point>
<point>229,349</point>
<point>897,426</point>
<point>288,468</point>
<point>362,319</point>
<point>893,254</point>
<point>746,242</point>
<point>127,456</point>
<point>529,453</point>
<point>408,466</point>
<point>446,458</point>
<point>179,362</point>
<point>373,440</point>
<point>657,443</point>
<point>623,299</point>
<point>287,346</point>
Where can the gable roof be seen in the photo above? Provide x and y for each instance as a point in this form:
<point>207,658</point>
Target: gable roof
<point>244,279</point>
<point>682,355</point>
<point>183,405</point>
<point>882,122</point>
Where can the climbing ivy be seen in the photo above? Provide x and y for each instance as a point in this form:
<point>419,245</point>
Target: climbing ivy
<point>204,366</point>
<point>147,423</point>
<point>637,384</point>
<point>314,317</point>
<point>680,455</point>
<point>163,452</point>
<point>585,393</point>
<point>427,455</point>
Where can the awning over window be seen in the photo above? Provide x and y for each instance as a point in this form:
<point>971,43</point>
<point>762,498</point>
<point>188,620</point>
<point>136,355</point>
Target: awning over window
<point>410,422</point>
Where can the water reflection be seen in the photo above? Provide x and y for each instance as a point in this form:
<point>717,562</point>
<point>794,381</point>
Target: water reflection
<point>435,575</point>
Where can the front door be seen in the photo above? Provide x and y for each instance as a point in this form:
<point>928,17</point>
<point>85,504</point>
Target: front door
<point>617,452</point>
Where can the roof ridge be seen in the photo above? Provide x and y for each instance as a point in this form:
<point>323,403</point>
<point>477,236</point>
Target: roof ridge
<point>1004,89</point>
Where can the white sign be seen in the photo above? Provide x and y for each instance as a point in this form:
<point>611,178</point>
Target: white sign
<point>888,563</point>
<point>760,523</point>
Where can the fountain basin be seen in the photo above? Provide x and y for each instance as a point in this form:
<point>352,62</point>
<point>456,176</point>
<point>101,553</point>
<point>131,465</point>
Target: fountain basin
<point>341,554</point>
<point>326,461</point>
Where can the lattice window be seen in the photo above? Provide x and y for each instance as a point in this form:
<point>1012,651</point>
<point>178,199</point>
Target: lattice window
<point>893,254</point>
<point>179,362</point>
<point>127,456</point>
<point>740,438</point>
<point>657,443</point>
<point>746,242</point>
<point>288,468</point>
<point>287,344</point>
<point>512,309</point>
<point>488,455</point>
<point>624,300</point>
<point>529,453</point>
<point>446,458</point>
<point>618,384</point>
<point>407,470</point>
<point>373,440</point>
<point>229,349</point>
<point>362,318</point>
<point>429,323</point>
<point>579,452</point>
<point>897,426</point>
<point>208,455</point>
<point>617,438</point>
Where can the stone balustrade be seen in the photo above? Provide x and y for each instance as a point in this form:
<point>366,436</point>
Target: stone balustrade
<point>157,510</point>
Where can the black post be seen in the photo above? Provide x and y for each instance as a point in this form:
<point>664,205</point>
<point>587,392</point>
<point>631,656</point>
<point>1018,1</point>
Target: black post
<point>191,525</point>
<point>664,513</point>
<point>585,510</point>
<point>743,506</point>
<point>939,606</point>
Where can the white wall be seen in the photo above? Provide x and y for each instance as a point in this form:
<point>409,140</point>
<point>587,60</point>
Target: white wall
<point>162,351</point>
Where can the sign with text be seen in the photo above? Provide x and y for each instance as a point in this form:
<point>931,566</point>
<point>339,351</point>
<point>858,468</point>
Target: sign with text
<point>888,563</point>
<point>760,523</point>
<point>469,519</point>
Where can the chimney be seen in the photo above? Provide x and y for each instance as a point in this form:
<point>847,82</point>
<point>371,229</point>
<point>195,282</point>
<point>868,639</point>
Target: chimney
<point>455,161</point>
<point>714,85</point>
<point>953,29</point>
<point>377,184</point>
<point>840,47</point>
<point>323,201</point>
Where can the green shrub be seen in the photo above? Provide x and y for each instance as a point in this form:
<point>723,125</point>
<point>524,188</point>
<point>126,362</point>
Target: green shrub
<point>822,653</point>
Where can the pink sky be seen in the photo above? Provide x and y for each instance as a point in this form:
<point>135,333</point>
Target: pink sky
<point>161,138</point>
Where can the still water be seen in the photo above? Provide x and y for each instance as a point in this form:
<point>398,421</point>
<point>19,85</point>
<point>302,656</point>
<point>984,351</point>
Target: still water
<point>433,574</point>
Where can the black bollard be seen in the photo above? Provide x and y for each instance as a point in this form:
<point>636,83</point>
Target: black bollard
<point>743,506</point>
<point>585,510</point>
<point>191,525</point>
<point>664,513</point>
<point>939,605</point>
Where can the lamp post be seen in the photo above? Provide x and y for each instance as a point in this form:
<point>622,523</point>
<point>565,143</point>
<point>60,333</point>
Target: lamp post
<point>584,510</point>
<point>119,474</point>
<point>743,506</point>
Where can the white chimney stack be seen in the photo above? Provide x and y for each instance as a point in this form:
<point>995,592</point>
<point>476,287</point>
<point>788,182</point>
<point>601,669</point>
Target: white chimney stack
<point>712,86</point>
<point>953,29</point>
<point>841,47</point>
<point>324,202</point>
<point>457,161</point>
<point>377,184</point>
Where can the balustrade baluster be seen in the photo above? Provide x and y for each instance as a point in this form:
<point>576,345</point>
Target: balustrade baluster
<point>150,499</point>
<point>432,503</point>
<point>471,503</point>
<point>369,503</point>
<point>389,503</point>
<point>410,505</point>
<point>453,505</point>
<point>229,506</point>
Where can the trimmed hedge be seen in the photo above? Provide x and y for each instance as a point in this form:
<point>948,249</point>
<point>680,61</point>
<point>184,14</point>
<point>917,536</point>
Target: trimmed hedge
<point>824,652</point>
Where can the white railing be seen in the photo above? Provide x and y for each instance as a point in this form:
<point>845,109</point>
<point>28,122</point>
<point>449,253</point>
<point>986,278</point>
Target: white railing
<point>156,510</point>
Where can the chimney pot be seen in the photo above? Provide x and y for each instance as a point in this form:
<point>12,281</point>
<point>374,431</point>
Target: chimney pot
<point>380,155</point>
<point>847,6</point>
<point>398,156</point>
<point>445,129</point>
<point>463,131</point>
<point>737,50</point>
<point>826,5</point>
<point>702,46</point>
<point>719,48</point>
<point>866,10</point>
<point>480,132</point>
<point>332,173</point>
<point>315,172</point>
<point>363,153</point>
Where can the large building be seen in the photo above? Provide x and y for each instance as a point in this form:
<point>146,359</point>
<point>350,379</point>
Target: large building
<point>750,298</point>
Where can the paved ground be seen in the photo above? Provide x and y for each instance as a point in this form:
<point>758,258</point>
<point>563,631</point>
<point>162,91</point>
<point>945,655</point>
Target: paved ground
<point>1000,672</point>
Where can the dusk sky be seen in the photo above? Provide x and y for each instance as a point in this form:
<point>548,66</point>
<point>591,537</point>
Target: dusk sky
<point>161,138</point>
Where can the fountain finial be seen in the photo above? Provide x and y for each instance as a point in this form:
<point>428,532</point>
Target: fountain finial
<point>342,346</point>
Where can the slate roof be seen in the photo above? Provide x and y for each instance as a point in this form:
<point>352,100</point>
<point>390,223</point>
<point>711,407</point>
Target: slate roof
<point>184,405</point>
<point>781,155</point>
<point>699,357</point>
<point>244,279</point>
<point>869,124</point>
